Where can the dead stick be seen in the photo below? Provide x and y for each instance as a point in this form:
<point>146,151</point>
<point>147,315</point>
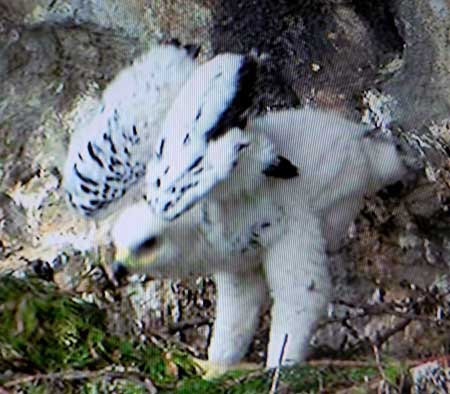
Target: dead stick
<point>276,375</point>
<point>75,375</point>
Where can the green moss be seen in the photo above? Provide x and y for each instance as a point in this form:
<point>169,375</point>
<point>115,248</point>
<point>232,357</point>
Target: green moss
<point>31,389</point>
<point>199,386</point>
<point>310,379</point>
<point>252,386</point>
<point>131,388</point>
<point>120,386</point>
<point>232,383</point>
<point>46,331</point>
<point>43,330</point>
<point>394,370</point>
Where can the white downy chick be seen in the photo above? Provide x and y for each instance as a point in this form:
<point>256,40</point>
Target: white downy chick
<point>272,240</point>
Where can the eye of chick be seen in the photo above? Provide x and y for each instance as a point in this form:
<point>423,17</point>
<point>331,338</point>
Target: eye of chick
<point>148,244</point>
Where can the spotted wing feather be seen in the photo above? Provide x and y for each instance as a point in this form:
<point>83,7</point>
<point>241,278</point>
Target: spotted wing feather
<point>211,103</point>
<point>108,151</point>
<point>205,172</point>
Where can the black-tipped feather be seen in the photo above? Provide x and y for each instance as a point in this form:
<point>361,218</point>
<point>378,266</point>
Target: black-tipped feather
<point>281,168</point>
<point>242,100</point>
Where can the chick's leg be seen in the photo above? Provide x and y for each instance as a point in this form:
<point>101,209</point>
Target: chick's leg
<point>297,273</point>
<point>239,299</point>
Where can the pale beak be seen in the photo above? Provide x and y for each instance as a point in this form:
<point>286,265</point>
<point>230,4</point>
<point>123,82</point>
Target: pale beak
<point>122,254</point>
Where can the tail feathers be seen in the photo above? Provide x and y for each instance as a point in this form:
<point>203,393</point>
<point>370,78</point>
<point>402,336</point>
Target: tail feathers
<point>386,164</point>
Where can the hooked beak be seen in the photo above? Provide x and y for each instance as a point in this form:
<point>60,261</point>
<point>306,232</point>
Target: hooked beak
<point>118,267</point>
<point>122,255</point>
<point>119,271</point>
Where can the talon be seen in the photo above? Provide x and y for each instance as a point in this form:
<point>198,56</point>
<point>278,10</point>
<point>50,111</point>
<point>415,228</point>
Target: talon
<point>210,370</point>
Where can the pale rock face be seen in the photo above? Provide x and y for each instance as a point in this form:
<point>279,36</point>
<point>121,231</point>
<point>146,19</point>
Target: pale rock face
<point>272,238</point>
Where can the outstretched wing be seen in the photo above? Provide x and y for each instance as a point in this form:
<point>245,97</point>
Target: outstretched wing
<point>108,153</point>
<point>211,103</point>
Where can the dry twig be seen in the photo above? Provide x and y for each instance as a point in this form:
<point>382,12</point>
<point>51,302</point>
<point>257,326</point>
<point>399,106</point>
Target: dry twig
<point>276,375</point>
<point>136,376</point>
